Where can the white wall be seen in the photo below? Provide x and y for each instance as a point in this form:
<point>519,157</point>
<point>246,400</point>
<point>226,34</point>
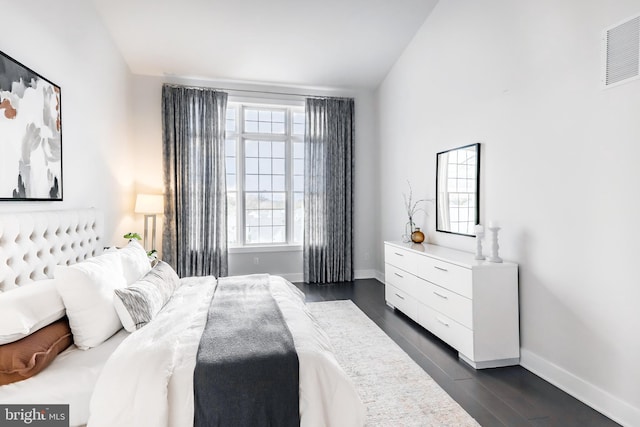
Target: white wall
<point>147,91</point>
<point>559,171</point>
<point>66,42</point>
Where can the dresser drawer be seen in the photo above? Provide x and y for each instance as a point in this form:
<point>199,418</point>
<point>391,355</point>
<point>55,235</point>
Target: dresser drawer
<point>401,258</point>
<point>401,280</point>
<point>447,329</point>
<point>401,300</point>
<point>447,275</point>
<point>452,305</point>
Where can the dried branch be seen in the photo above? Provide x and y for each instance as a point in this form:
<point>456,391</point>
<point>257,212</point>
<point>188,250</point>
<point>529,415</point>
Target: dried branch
<point>413,207</point>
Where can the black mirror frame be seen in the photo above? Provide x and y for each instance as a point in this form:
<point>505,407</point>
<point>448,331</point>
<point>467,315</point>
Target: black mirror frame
<point>477,145</point>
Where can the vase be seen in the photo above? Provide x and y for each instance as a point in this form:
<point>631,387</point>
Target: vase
<point>417,236</point>
<point>408,229</point>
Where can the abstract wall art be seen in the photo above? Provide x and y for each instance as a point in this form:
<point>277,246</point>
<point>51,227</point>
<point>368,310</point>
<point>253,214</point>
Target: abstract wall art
<point>30,134</point>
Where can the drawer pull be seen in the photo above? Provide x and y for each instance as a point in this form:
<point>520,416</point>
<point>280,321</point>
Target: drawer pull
<point>399,275</point>
<point>440,295</point>
<point>398,254</point>
<point>400,296</point>
<point>440,268</point>
<point>442,321</point>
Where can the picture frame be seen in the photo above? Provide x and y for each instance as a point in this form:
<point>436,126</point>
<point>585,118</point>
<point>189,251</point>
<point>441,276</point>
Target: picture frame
<point>30,134</point>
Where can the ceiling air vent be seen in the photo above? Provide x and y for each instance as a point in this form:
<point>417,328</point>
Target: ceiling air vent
<point>622,52</point>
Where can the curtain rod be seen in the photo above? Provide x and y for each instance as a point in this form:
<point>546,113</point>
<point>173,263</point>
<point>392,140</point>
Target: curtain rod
<point>259,91</point>
<point>284,93</point>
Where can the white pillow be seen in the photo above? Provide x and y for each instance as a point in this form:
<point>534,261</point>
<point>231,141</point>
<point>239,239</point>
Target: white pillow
<point>87,291</point>
<point>135,262</point>
<point>26,309</point>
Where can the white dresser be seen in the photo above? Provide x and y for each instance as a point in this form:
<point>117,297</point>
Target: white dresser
<point>471,305</point>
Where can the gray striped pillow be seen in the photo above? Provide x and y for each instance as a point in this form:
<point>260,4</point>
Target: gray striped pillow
<point>140,302</point>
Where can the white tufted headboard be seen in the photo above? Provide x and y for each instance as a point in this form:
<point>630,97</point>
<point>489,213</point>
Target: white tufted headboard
<point>33,243</point>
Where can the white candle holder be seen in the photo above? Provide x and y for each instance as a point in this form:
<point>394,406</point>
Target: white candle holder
<point>494,245</point>
<point>479,237</point>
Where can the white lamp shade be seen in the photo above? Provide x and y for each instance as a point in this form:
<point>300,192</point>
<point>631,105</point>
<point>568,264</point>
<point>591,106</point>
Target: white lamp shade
<point>149,204</point>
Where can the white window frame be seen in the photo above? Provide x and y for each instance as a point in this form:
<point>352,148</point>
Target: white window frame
<point>240,136</point>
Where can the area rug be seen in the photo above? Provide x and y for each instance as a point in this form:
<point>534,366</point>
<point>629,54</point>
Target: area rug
<point>395,390</point>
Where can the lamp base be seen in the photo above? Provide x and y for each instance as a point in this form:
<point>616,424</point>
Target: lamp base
<point>151,217</point>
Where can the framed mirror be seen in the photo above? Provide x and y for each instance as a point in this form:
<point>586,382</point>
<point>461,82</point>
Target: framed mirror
<point>458,190</point>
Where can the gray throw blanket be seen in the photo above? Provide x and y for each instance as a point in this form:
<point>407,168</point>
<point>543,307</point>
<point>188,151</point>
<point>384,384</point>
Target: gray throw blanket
<point>247,368</point>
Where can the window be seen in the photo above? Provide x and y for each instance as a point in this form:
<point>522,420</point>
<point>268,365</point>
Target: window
<point>265,174</point>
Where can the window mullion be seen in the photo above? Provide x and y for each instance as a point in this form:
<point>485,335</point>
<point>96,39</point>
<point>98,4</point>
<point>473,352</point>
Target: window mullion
<point>241,178</point>
<point>288,171</point>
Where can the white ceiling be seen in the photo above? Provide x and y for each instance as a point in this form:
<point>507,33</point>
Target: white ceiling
<point>318,43</point>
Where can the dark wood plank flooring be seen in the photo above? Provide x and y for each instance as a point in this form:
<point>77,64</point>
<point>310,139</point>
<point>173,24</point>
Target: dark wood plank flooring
<point>510,396</point>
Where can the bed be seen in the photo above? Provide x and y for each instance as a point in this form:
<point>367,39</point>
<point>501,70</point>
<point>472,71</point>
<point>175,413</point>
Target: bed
<point>147,377</point>
<point>31,245</point>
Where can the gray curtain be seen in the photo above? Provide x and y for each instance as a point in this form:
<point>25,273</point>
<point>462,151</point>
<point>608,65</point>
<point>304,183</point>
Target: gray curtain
<point>328,192</point>
<point>194,238</point>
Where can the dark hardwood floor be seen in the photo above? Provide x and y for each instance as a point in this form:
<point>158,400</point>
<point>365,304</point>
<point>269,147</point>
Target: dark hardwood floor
<point>510,396</point>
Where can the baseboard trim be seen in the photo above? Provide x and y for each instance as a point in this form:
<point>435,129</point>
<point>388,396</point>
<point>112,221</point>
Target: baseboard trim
<point>358,274</point>
<point>293,277</point>
<point>600,400</point>
<point>379,276</point>
<point>364,274</point>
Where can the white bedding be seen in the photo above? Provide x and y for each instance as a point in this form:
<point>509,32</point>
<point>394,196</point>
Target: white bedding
<point>70,379</point>
<point>148,381</point>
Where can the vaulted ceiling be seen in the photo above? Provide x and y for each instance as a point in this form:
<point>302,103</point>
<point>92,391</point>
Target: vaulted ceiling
<point>319,43</point>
